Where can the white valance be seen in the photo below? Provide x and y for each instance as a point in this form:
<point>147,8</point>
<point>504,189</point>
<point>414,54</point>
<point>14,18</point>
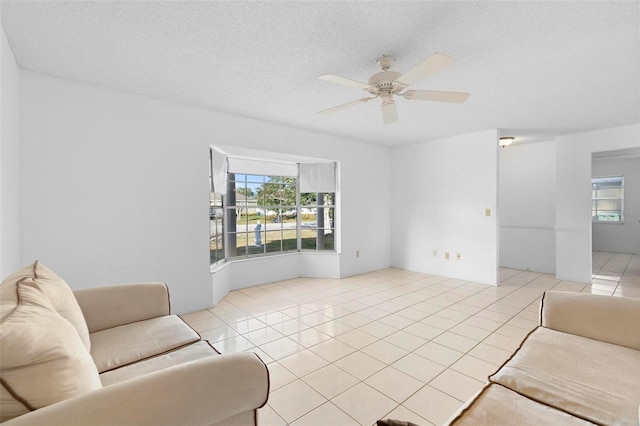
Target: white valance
<point>219,171</point>
<point>261,167</point>
<point>313,176</point>
<point>317,177</point>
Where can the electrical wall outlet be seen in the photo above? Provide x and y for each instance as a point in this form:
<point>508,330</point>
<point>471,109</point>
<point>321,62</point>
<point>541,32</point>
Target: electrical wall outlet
<point>487,212</point>
<point>357,253</point>
<point>458,256</point>
<point>435,253</point>
<point>446,255</point>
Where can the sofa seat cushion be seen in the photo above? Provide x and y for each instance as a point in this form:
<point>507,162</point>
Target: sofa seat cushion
<point>43,360</point>
<point>495,405</point>
<point>588,378</point>
<point>129,343</point>
<point>192,352</point>
<point>54,288</point>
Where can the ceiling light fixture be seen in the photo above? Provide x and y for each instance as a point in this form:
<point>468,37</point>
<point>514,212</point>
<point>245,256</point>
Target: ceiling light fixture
<point>506,141</point>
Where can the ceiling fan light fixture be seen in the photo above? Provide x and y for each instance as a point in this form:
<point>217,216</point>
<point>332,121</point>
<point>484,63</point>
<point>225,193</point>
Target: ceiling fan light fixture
<point>385,62</point>
<point>506,141</point>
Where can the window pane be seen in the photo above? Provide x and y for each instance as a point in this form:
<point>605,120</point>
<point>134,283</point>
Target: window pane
<point>216,239</point>
<point>604,182</point>
<point>609,193</point>
<point>256,179</point>
<point>328,240</point>
<point>329,198</point>
<point>308,198</point>
<point>309,240</point>
<point>308,214</point>
<point>318,239</point>
<point>215,199</point>
<point>274,241</point>
<point>242,216</point>
<point>243,242</point>
<point>255,249</point>
<point>289,237</point>
<point>611,205</point>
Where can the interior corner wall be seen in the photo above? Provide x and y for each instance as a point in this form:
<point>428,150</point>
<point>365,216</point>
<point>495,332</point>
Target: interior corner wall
<point>624,237</point>
<point>116,190</point>
<point>573,195</point>
<point>526,205</point>
<point>9,160</point>
<point>440,191</point>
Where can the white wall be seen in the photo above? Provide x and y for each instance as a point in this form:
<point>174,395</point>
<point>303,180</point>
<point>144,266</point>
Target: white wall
<point>9,160</point>
<point>624,237</point>
<point>527,212</point>
<point>573,195</point>
<point>115,189</point>
<point>251,272</point>
<point>440,190</point>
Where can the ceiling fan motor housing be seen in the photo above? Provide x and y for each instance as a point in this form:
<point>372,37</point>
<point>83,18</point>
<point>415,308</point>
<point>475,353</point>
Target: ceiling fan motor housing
<point>383,82</point>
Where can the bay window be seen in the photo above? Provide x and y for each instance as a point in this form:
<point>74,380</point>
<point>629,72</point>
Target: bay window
<point>260,207</point>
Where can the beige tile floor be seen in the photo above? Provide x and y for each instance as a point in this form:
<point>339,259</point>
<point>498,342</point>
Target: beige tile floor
<point>388,344</point>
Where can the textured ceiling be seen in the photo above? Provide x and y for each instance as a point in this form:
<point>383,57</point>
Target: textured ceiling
<point>535,68</point>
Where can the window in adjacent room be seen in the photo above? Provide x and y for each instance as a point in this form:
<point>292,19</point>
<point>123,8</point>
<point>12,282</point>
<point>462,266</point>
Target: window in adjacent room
<point>607,199</point>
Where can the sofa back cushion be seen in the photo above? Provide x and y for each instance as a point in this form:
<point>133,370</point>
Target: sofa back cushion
<point>609,319</point>
<point>43,360</point>
<point>55,289</point>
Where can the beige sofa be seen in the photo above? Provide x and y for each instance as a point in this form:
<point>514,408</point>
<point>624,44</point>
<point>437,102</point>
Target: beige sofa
<point>114,356</point>
<point>580,366</point>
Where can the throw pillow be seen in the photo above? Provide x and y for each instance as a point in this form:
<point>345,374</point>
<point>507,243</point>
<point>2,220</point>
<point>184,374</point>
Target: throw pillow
<point>57,291</point>
<point>43,358</point>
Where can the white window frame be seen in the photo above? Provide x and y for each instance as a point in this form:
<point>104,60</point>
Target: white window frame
<point>319,176</point>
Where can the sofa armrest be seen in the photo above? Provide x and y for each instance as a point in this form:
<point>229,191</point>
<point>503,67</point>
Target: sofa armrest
<point>606,318</point>
<point>201,392</point>
<point>111,306</point>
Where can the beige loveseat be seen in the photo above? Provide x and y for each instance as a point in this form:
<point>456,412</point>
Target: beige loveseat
<point>580,366</point>
<point>114,356</point>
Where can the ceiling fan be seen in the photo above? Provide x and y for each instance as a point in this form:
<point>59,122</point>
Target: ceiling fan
<point>387,84</point>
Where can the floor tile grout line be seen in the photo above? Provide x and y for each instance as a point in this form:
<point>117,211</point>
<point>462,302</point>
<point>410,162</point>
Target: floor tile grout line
<point>465,354</point>
<point>435,313</point>
<point>623,272</point>
<point>439,374</point>
<point>619,280</point>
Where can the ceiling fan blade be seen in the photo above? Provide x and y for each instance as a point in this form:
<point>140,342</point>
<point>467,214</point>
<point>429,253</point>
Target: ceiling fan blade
<point>389,112</point>
<point>344,81</point>
<point>432,64</point>
<point>343,106</point>
<point>435,95</point>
